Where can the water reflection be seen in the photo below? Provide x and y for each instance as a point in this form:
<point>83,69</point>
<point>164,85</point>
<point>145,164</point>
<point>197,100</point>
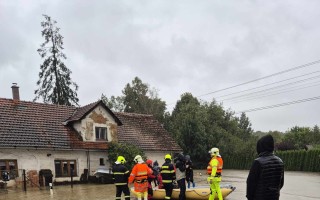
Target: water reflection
<point>78,192</point>
<point>295,183</point>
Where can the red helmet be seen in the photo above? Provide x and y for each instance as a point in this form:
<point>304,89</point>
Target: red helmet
<point>149,162</point>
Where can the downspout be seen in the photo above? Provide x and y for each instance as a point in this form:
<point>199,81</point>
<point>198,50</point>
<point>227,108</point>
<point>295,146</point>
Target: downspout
<point>88,163</point>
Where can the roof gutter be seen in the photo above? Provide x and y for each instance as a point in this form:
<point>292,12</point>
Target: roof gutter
<point>52,149</point>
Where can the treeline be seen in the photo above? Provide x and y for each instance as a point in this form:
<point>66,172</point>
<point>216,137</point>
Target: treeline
<point>197,126</point>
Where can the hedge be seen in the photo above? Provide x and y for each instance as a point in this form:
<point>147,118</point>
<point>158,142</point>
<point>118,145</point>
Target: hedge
<point>300,160</point>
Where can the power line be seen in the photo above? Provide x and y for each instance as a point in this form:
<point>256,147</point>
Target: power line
<point>279,105</point>
<point>258,79</point>
<point>272,94</point>
<point>267,84</point>
<point>272,88</point>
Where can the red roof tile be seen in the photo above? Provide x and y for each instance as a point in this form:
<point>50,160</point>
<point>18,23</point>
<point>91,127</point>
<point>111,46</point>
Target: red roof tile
<point>145,132</point>
<point>30,124</point>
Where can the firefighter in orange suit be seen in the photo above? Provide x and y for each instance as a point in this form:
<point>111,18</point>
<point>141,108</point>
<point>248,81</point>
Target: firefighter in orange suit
<point>214,171</point>
<point>139,176</point>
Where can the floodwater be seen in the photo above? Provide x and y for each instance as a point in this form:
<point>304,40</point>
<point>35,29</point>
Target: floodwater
<point>298,186</point>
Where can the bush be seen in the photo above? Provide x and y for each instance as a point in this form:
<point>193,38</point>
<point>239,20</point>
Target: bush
<point>128,151</point>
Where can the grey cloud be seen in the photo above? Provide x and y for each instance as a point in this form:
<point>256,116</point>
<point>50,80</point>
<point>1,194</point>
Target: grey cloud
<point>175,46</point>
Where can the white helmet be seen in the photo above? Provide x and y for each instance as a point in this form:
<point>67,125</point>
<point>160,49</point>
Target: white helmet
<point>214,151</point>
<point>138,159</point>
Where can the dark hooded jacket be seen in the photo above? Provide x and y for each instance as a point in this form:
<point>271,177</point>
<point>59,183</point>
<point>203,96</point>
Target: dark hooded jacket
<point>266,175</point>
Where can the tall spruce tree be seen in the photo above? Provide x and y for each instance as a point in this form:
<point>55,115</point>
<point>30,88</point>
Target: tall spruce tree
<point>55,84</point>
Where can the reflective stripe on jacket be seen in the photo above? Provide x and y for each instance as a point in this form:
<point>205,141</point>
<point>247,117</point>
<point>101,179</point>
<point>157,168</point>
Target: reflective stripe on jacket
<point>120,174</point>
<point>219,167</point>
<point>168,173</point>
<point>139,173</point>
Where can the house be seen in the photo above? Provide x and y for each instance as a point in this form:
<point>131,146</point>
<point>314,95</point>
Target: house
<point>38,136</point>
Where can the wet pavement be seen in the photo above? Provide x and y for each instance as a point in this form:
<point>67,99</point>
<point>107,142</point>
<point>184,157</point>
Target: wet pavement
<point>298,186</point>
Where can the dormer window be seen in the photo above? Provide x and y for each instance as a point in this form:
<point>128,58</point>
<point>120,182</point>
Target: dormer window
<point>101,133</point>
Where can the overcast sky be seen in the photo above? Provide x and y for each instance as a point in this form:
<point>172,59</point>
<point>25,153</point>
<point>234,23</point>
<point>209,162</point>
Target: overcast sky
<point>176,47</point>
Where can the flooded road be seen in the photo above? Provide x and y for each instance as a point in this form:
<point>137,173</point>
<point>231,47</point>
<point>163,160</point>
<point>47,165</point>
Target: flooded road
<point>298,186</point>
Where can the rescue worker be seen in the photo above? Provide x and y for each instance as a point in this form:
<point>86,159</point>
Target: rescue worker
<point>214,171</point>
<point>139,176</point>
<point>189,171</point>
<point>266,176</point>
<point>120,176</point>
<point>168,175</point>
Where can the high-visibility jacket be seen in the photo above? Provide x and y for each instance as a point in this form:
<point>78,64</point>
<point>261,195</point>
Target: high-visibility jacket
<point>139,175</point>
<point>168,173</point>
<point>120,174</point>
<point>219,167</point>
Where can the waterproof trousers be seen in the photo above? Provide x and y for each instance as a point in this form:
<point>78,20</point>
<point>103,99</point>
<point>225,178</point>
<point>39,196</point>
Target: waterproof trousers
<point>142,194</point>
<point>168,187</point>
<point>141,189</point>
<point>182,186</point>
<point>125,190</point>
<point>189,178</point>
<point>215,188</point>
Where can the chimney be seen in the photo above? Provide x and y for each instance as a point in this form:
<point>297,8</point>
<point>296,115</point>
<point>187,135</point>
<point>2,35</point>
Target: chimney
<point>15,92</point>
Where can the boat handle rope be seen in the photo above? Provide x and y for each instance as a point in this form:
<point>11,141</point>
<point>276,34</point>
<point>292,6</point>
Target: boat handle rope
<point>201,194</point>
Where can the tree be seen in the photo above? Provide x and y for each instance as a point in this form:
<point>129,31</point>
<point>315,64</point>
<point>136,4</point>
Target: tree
<point>245,127</point>
<point>55,85</point>
<point>316,135</point>
<point>298,136</point>
<point>187,126</point>
<point>138,98</point>
<point>128,151</point>
<point>114,103</point>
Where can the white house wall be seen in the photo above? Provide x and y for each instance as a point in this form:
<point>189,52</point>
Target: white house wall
<point>98,117</point>
<point>156,156</point>
<point>44,159</point>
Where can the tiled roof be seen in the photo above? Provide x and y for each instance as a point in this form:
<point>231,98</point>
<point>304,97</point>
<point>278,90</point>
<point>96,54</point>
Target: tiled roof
<point>146,132</point>
<point>39,125</point>
<point>83,111</point>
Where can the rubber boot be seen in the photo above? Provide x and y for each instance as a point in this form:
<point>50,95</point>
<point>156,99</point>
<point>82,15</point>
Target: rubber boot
<point>188,184</point>
<point>193,184</point>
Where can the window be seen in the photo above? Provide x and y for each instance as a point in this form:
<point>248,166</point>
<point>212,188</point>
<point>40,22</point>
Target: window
<point>101,161</point>
<point>10,166</point>
<point>65,167</point>
<point>101,133</point>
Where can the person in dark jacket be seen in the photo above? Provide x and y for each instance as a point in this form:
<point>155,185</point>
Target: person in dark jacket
<point>168,175</point>
<point>266,176</point>
<point>181,175</point>
<point>156,171</point>
<point>189,171</point>
<point>120,176</point>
